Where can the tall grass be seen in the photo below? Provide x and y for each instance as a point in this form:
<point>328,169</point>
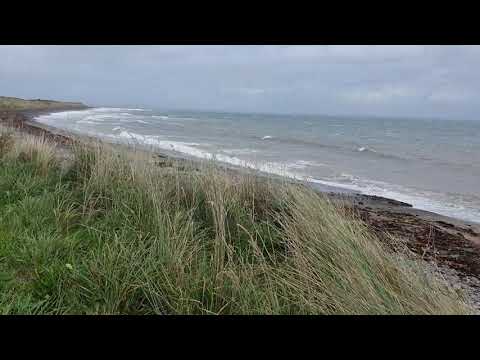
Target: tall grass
<point>127,236</point>
<point>27,148</point>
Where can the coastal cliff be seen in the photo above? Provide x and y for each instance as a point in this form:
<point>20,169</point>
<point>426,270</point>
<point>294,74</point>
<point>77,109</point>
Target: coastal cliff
<point>17,104</point>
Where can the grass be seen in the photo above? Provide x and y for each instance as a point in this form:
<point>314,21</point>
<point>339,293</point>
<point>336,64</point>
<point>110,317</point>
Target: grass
<point>111,233</point>
<point>11,103</point>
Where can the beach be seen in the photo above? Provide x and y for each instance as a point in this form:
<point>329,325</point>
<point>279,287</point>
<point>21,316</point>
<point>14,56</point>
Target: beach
<point>429,164</point>
<point>449,244</point>
<point>190,179</point>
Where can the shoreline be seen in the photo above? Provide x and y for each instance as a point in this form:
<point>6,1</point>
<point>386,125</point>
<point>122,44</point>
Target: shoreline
<point>453,245</point>
<point>372,200</point>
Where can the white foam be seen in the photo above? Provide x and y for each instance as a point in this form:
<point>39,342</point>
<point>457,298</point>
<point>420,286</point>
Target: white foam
<point>59,115</point>
<point>438,203</point>
<point>190,149</point>
<point>87,122</point>
<point>113,109</point>
<point>239,151</point>
<point>97,113</point>
<point>368,187</point>
<point>302,164</point>
<point>109,109</point>
<point>158,142</point>
<point>349,177</point>
<point>364,148</point>
<point>98,117</point>
<point>420,200</point>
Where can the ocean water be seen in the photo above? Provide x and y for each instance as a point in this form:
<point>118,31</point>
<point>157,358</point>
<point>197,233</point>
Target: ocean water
<point>432,164</point>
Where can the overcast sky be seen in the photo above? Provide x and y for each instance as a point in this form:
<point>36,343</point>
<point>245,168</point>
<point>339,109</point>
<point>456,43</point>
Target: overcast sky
<point>426,81</point>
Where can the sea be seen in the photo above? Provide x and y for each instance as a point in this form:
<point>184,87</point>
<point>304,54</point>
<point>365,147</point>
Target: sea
<point>432,164</point>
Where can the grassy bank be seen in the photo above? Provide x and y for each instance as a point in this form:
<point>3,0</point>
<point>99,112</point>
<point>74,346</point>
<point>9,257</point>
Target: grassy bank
<point>110,232</point>
<point>12,103</point>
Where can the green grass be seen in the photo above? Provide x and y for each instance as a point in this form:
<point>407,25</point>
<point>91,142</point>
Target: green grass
<point>11,103</point>
<point>113,234</point>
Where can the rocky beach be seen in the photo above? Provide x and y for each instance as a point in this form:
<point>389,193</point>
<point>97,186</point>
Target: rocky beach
<point>450,245</point>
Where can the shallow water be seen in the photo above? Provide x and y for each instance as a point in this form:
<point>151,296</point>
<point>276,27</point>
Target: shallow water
<point>432,164</point>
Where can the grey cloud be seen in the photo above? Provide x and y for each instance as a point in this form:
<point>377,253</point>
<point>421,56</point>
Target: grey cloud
<point>434,81</point>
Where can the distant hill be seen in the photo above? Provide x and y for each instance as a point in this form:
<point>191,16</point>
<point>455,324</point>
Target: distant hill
<point>12,103</point>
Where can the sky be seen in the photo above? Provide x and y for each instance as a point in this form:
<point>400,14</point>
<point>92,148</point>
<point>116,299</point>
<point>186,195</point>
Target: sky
<point>385,80</point>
